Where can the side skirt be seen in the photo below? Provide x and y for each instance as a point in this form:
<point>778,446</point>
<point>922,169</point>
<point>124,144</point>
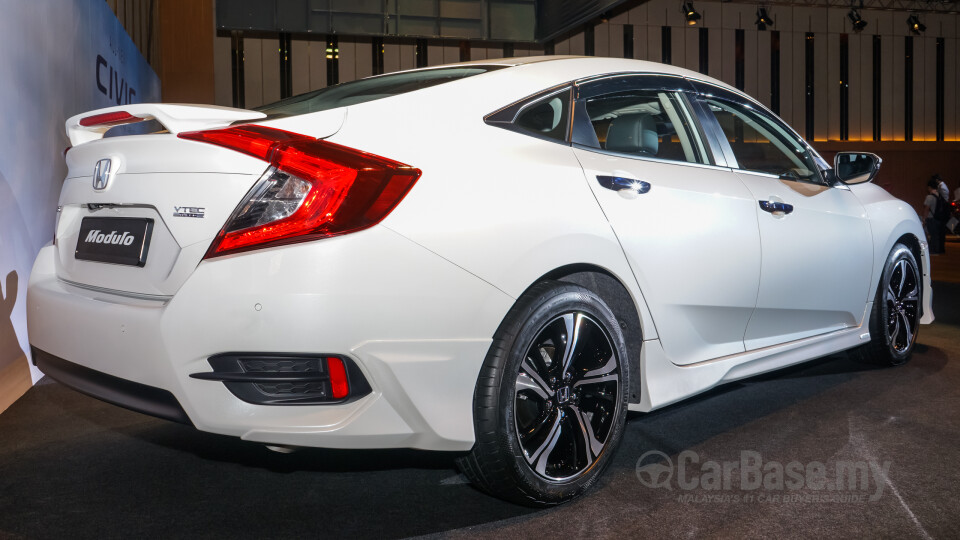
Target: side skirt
<point>665,383</point>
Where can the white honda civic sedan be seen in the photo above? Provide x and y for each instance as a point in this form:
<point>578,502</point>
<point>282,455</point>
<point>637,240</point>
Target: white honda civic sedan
<point>499,258</point>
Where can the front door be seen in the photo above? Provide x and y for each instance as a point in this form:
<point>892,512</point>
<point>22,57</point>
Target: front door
<point>816,241</point>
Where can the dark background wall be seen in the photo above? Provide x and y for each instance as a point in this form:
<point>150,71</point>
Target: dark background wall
<point>906,165</point>
<point>176,38</point>
<point>894,100</point>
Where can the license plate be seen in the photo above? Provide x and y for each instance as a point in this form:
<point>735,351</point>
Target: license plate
<point>114,240</point>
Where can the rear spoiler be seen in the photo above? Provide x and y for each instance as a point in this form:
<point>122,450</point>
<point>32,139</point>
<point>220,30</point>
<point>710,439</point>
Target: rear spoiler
<point>175,118</point>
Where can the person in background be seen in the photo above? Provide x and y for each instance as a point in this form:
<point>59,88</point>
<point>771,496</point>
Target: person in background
<point>954,224</point>
<point>942,186</point>
<point>935,205</point>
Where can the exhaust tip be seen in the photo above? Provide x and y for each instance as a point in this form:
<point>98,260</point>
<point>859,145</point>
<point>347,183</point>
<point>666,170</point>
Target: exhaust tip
<point>281,449</point>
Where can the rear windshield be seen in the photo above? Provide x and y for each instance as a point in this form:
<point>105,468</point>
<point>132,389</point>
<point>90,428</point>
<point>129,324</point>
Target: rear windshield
<point>369,89</point>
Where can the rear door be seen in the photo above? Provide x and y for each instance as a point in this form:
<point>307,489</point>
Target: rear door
<point>686,223</point>
<point>816,240</point>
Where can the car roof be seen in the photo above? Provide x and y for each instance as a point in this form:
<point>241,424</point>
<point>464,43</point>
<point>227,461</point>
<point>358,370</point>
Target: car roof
<point>565,68</point>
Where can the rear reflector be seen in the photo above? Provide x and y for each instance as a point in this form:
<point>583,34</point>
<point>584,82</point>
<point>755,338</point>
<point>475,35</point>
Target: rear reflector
<point>313,189</point>
<point>339,388</point>
<point>110,119</point>
<point>287,379</point>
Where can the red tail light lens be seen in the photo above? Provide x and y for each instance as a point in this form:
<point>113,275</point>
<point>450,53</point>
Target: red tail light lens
<point>312,189</point>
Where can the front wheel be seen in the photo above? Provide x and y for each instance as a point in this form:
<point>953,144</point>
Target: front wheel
<point>895,317</point>
<point>551,401</point>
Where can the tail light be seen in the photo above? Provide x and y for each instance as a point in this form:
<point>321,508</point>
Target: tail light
<point>312,189</point>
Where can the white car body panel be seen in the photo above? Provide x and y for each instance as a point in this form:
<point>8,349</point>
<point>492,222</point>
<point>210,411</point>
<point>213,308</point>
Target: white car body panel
<point>693,245</point>
<point>432,333</point>
<point>666,383</point>
<point>564,227</point>
<point>178,243</point>
<point>416,299</point>
<point>808,258</point>
<point>890,220</point>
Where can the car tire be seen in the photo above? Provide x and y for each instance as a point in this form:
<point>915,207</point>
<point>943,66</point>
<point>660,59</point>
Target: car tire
<point>895,317</point>
<point>571,409</point>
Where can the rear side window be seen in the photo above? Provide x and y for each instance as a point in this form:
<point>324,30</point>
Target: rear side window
<point>369,89</point>
<point>547,117</point>
<point>645,123</point>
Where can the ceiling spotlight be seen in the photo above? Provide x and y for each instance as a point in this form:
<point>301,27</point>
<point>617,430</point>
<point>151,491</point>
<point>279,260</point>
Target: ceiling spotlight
<point>915,25</point>
<point>690,13</point>
<point>763,19</point>
<point>858,23</point>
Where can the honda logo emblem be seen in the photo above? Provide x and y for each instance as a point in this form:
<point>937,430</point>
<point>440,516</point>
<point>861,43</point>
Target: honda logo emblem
<point>102,174</point>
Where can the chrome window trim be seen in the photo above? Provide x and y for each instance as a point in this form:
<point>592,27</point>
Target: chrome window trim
<point>758,173</point>
<point>653,159</point>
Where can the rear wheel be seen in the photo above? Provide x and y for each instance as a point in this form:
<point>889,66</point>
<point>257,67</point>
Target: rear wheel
<point>551,401</point>
<point>895,317</point>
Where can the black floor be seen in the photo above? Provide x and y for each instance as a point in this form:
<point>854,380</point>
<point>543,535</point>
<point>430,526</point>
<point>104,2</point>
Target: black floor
<point>71,466</point>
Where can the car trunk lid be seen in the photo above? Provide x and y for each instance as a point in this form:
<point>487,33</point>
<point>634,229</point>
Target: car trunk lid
<point>186,190</point>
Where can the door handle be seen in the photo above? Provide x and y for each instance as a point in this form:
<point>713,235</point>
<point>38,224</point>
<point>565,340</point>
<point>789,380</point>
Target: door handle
<point>619,183</point>
<point>776,207</point>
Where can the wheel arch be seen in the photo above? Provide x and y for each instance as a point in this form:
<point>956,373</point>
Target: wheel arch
<point>893,221</point>
<point>911,241</point>
<point>619,299</point>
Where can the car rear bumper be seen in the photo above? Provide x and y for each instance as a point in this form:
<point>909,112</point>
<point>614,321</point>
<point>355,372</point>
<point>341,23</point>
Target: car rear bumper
<point>417,326</point>
<point>127,394</point>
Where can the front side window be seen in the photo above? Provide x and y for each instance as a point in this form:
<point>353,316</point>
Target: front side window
<point>644,123</point>
<point>761,144</point>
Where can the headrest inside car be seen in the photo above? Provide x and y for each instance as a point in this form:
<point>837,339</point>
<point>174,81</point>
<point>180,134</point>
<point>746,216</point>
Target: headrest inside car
<point>633,134</point>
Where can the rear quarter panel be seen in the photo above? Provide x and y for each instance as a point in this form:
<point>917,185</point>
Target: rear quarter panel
<point>504,206</point>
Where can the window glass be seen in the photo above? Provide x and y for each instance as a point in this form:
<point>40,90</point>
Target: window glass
<point>763,145</point>
<point>547,117</point>
<point>646,123</point>
<point>369,89</point>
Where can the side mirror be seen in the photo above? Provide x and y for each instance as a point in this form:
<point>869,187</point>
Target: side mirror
<point>856,167</point>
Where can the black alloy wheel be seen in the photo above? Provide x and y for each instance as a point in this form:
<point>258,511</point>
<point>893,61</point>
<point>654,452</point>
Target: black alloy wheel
<point>550,405</point>
<point>895,317</point>
<point>566,396</point>
<point>902,303</point>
